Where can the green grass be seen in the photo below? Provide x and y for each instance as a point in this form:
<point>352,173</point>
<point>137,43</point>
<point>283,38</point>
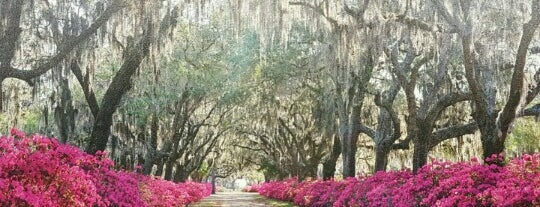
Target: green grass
<point>277,203</point>
<point>274,203</point>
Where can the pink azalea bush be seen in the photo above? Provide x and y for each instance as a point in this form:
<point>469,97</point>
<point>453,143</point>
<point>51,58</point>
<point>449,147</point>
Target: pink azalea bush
<point>158,192</point>
<point>251,188</point>
<point>437,184</point>
<point>284,190</point>
<point>39,171</point>
<point>319,193</point>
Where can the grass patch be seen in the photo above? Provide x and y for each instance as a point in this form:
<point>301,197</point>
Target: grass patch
<point>274,203</point>
<point>277,203</point>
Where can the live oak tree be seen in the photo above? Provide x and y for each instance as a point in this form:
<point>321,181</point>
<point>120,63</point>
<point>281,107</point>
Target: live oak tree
<point>286,128</point>
<point>194,117</point>
<point>288,145</point>
<point>493,122</point>
<point>417,66</point>
<point>68,41</point>
<point>51,35</point>
<point>350,78</point>
<point>421,118</point>
<point>133,51</point>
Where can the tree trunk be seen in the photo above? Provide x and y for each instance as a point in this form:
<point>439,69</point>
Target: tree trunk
<point>267,176</point>
<point>329,166</point>
<point>329,169</point>
<point>492,139</point>
<point>349,170</point>
<point>114,146</point>
<point>492,146</point>
<point>495,125</point>
<point>120,85</point>
<point>180,175</point>
<point>169,169</point>
<point>381,156</point>
<point>64,113</point>
<point>152,145</point>
<point>383,137</point>
<point>213,180</point>
<point>159,164</point>
<point>2,98</point>
<point>421,147</point>
<point>420,155</point>
<point>349,144</point>
<point>312,172</point>
<point>346,154</point>
<point>349,156</point>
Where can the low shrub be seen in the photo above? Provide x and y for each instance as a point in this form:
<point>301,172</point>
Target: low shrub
<point>38,171</point>
<point>437,184</point>
<point>251,188</point>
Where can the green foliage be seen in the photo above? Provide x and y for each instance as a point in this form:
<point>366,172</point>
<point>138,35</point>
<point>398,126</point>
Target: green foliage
<point>4,122</point>
<point>524,138</point>
<point>139,108</point>
<point>30,120</point>
<point>204,169</point>
<point>283,64</point>
<point>270,169</point>
<point>195,65</point>
<point>244,56</point>
<point>277,203</point>
<point>235,95</point>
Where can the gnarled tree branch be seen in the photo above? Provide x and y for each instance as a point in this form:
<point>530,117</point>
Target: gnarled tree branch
<point>516,86</point>
<point>319,10</point>
<point>7,71</point>
<point>452,132</point>
<point>121,83</point>
<point>445,102</point>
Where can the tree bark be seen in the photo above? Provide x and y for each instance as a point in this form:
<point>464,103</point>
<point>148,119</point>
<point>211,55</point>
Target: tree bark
<point>114,146</point>
<point>329,165</point>
<point>179,122</point>
<point>356,95</point>
<point>120,85</point>
<point>180,175</point>
<point>421,149</point>
<point>491,137</point>
<point>12,33</point>
<point>168,169</point>
<point>84,82</point>
<point>420,155</point>
<point>213,180</point>
<point>381,157</point>
<point>492,146</point>
<point>64,112</point>
<point>388,128</point>
<point>159,171</point>
<point>349,144</point>
<point>150,157</point>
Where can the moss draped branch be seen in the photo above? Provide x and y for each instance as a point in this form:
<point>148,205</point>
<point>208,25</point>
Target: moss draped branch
<point>7,71</point>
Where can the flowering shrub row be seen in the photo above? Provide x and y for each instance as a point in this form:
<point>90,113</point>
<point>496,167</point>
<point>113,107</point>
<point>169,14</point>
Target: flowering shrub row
<point>436,184</point>
<point>39,171</point>
<point>251,188</point>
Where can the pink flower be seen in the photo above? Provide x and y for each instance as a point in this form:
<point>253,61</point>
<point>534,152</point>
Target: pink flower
<point>437,184</point>
<point>39,171</point>
<point>16,133</point>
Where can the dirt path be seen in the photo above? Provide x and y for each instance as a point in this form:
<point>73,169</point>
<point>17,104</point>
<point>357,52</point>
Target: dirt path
<point>238,199</point>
